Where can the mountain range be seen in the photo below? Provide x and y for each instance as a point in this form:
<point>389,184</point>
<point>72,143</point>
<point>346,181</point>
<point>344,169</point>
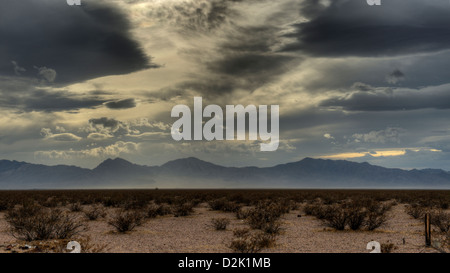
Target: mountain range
<point>195,173</point>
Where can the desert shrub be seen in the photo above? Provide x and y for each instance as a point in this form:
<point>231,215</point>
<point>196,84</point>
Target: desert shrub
<point>224,204</point>
<point>265,217</point>
<point>263,214</point>
<point>443,205</point>
<point>164,209</point>
<point>110,202</point>
<point>33,222</point>
<point>415,210</point>
<point>75,207</point>
<point>195,201</point>
<point>126,220</point>
<point>283,205</point>
<point>273,228</point>
<point>51,202</point>
<point>318,210</point>
<point>152,211</point>
<point>336,217</point>
<point>376,216</point>
<point>441,220</point>
<point>241,232</point>
<point>355,214</point>
<point>359,202</point>
<point>446,241</point>
<point>247,242</point>
<point>242,213</point>
<point>184,209</point>
<point>94,212</point>
<point>330,199</point>
<point>87,245</point>
<point>294,205</point>
<point>309,209</point>
<point>264,240</point>
<point>135,204</point>
<point>5,204</point>
<point>355,217</point>
<point>387,247</point>
<point>374,220</point>
<point>220,223</point>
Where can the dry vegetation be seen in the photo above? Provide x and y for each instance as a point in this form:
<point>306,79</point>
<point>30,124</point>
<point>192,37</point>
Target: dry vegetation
<point>252,218</point>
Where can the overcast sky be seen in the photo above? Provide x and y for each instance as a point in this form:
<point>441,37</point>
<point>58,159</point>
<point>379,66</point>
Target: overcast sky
<point>80,84</point>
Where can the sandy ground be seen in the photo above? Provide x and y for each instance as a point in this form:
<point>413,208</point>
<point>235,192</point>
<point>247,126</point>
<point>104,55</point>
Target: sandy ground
<point>195,234</point>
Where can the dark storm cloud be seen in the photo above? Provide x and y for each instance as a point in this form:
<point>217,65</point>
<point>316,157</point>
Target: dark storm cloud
<point>393,99</point>
<point>78,42</point>
<point>353,28</point>
<point>121,104</point>
<point>246,65</point>
<point>244,60</point>
<point>397,74</point>
<point>247,54</point>
<point>47,101</point>
<point>231,71</point>
<point>395,77</point>
<point>237,55</point>
<point>244,71</point>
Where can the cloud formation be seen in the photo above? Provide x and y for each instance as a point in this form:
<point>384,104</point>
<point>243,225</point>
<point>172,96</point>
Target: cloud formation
<point>114,150</point>
<point>47,134</point>
<point>350,79</point>
<point>121,104</point>
<point>388,99</point>
<point>352,28</point>
<point>381,136</point>
<point>79,43</point>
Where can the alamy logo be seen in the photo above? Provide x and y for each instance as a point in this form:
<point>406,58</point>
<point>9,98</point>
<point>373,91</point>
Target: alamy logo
<point>374,2</point>
<point>74,2</point>
<point>215,128</point>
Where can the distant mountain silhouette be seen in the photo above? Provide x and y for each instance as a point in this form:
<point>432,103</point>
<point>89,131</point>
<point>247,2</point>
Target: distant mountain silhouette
<point>195,173</point>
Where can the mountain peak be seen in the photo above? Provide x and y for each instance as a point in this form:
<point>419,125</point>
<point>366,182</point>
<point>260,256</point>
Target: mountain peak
<point>114,163</point>
<point>192,163</point>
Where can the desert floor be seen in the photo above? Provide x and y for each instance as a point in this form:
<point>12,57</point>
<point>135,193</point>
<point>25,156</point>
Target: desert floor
<point>194,234</point>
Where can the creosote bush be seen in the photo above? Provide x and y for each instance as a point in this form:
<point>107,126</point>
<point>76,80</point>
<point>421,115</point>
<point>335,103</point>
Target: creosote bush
<point>34,222</point>
<point>336,217</point>
<point>184,209</point>
<point>441,220</point>
<point>265,216</point>
<point>250,242</point>
<point>355,214</point>
<point>355,217</point>
<point>416,210</point>
<point>5,204</point>
<point>316,209</point>
<point>387,247</point>
<point>75,207</point>
<point>376,215</point>
<point>164,209</point>
<point>159,210</point>
<point>95,212</point>
<point>242,213</point>
<point>224,204</point>
<point>126,220</point>
<point>220,223</point>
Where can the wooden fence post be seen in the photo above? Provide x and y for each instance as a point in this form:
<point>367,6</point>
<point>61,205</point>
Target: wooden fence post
<point>427,230</point>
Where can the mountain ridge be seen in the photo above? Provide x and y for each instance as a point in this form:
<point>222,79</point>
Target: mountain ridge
<point>193,172</point>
